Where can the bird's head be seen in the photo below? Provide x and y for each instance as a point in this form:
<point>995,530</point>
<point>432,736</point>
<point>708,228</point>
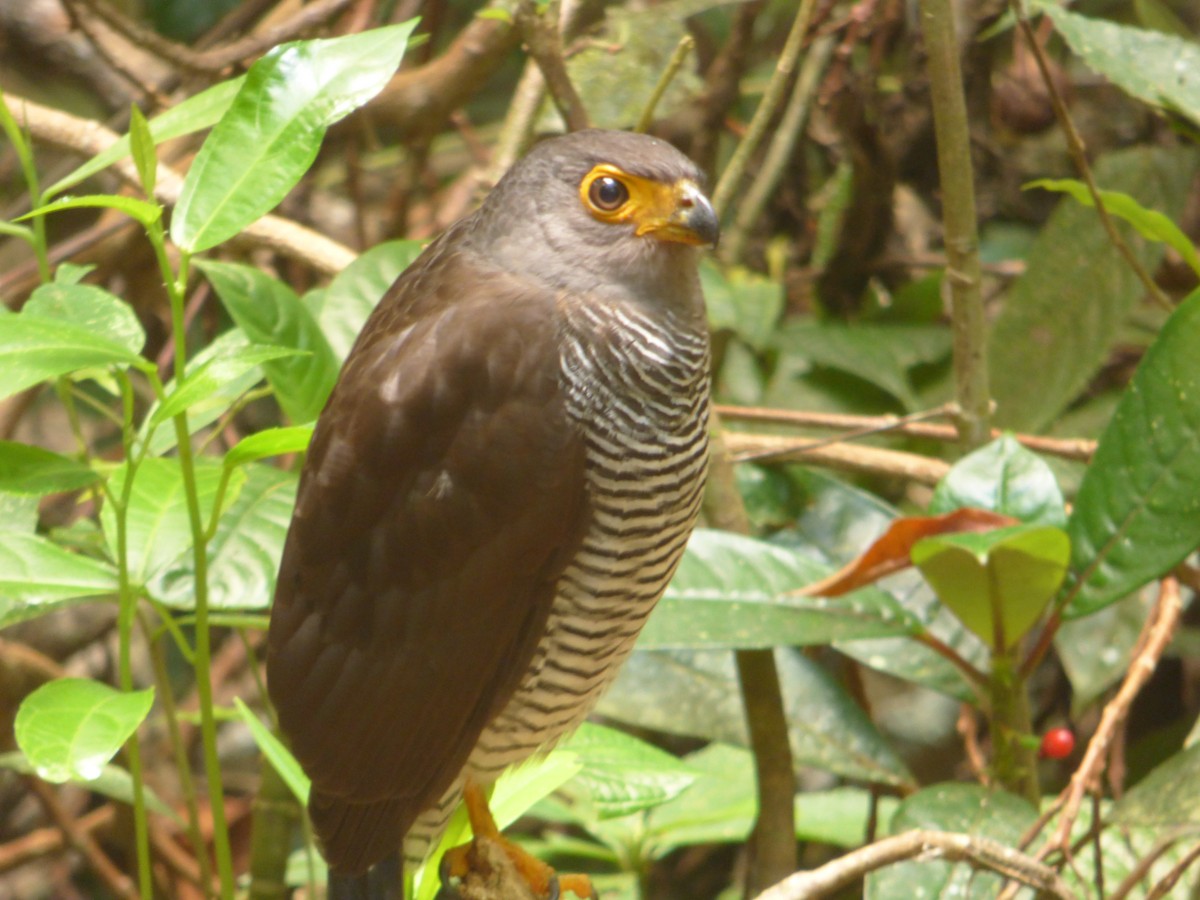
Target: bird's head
<point>602,207</point>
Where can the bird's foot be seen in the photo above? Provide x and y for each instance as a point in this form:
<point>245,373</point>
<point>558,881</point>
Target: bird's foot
<point>491,866</point>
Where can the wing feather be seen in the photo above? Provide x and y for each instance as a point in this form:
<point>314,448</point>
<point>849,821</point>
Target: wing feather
<point>442,496</point>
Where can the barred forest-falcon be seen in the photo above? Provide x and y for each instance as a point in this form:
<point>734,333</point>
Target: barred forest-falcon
<point>497,492</point>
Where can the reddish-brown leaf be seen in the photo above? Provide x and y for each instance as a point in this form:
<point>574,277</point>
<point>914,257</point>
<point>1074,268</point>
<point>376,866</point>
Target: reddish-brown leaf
<point>890,553</point>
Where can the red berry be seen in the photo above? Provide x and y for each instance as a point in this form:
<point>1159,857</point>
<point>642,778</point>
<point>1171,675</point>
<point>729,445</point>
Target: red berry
<point>1057,743</point>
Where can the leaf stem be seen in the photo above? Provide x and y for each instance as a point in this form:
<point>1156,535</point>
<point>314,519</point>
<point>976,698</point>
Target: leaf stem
<point>125,617</point>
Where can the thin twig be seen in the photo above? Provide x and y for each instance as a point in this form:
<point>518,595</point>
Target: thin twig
<point>981,852</point>
<point>1141,868</point>
<point>1168,881</point>
<point>771,98</point>
<point>779,153</point>
<point>1079,449</point>
<point>1078,153</point>
<point>682,49</point>
<point>541,35</point>
<point>81,839</point>
<point>45,841</point>
<point>1155,637</point>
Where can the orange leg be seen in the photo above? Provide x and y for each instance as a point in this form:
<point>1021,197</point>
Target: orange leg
<point>459,862</point>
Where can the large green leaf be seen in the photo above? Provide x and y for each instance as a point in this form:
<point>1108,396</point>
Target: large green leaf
<point>204,411</point>
<point>743,302</point>
<point>89,307</point>
<point>734,591</point>
<point>961,808</point>
<point>269,312</point>
<point>695,693</point>
<point>1062,316</point>
<point>1160,69</point>
<point>1138,509</point>
<point>882,355</point>
<point>270,134</point>
<point>36,348</point>
<point>243,556</point>
<point>623,775</point>
<point>838,522</point>
<point>209,378</point>
<point>1095,650</point>
<point>342,307</point>
<point>998,582</point>
<point>193,114</point>
<point>1006,478</point>
<point>31,470</point>
<point>1168,797</point>
<point>70,728</point>
<point>158,528</point>
<point>37,575</point>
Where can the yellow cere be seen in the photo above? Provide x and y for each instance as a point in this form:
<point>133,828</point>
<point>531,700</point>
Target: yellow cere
<point>654,207</point>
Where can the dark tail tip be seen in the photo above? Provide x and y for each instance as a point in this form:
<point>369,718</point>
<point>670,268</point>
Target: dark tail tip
<point>384,881</point>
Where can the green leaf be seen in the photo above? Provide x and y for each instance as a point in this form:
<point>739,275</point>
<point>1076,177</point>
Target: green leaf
<point>193,114</point>
<point>207,379</point>
<point>342,308</point>
<point>1006,478</point>
<point>31,470</point>
<point>158,528</point>
<point>18,514</point>
<point>622,775</point>
<point>243,556</point>
<point>87,306</point>
<point>272,442</point>
<point>142,144</point>
<point>142,211</point>
<point>70,728</point>
<point>1096,650</point>
<point>998,582</point>
<point>1149,222</point>
<point>113,781</point>
<point>1061,318</point>
<point>695,693</point>
<point>742,301</point>
<point>37,575</point>
<point>269,312</point>
<point>734,591</point>
<point>882,355</point>
<point>33,349</point>
<point>1168,797</point>
<point>271,133</point>
<point>960,808</point>
<point>276,753</point>
<point>1160,69</point>
<point>1138,511</point>
<point>207,410</point>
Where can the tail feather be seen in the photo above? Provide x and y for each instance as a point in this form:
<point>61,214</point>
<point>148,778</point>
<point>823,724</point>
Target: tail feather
<point>384,881</point>
<point>355,836</point>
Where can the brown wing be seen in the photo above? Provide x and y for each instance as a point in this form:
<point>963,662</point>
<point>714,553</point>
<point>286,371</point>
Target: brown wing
<point>442,496</point>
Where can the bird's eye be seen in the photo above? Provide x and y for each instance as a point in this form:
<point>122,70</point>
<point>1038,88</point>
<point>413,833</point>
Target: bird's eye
<point>607,193</point>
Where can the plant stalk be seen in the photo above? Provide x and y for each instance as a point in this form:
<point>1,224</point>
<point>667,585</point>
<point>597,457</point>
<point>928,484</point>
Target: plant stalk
<point>963,272</point>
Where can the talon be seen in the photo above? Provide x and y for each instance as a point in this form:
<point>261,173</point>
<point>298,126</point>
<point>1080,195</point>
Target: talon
<point>553,890</point>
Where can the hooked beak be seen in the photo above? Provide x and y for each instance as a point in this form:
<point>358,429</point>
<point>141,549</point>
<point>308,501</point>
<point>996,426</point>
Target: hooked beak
<point>691,220</point>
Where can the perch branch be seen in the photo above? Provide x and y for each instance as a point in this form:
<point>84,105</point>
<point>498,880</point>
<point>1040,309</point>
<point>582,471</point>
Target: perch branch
<point>836,455</point>
<point>539,30</point>
<point>1078,449</point>
<point>981,852</point>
